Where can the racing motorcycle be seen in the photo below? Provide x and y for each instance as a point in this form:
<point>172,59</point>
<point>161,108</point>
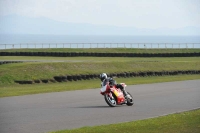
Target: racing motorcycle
<point>114,96</point>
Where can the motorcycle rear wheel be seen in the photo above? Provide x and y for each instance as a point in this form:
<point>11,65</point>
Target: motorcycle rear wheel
<point>110,100</point>
<point>129,100</point>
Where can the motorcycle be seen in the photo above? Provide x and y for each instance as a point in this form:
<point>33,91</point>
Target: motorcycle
<point>114,96</point>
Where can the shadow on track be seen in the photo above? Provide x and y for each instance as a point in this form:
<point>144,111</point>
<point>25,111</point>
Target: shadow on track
<point>97,107</point>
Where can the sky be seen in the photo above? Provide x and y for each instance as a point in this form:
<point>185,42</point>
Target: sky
<point>151,14</point>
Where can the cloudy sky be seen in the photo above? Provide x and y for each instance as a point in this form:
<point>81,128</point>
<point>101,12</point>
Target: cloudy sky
<point>132,13</point>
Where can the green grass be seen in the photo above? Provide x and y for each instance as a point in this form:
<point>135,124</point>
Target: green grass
<point>185,122</point>
<point>105,50</point>
<point>85,65</point>
<point>18,90</point>
<point>40,70</point>
<point>100,59</point>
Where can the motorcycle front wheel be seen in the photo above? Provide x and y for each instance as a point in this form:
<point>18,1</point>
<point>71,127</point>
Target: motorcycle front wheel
<point>110,100</point>
<point>129,100</point>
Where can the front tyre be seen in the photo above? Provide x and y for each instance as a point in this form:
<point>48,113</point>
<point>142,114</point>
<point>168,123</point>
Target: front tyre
<point>129,100</point>
<point>110,100</point>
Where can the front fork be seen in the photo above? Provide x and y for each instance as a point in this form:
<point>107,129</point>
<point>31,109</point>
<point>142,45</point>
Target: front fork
<point>126,95</point>
<point>125,92</point>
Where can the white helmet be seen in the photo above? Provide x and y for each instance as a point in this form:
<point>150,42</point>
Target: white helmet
<point>103,76</point>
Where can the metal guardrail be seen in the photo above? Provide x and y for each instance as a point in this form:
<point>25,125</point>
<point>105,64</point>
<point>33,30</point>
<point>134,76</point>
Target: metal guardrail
<point>101,45</point>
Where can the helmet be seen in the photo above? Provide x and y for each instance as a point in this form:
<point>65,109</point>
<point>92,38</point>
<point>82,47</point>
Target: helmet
<point>103,76</point>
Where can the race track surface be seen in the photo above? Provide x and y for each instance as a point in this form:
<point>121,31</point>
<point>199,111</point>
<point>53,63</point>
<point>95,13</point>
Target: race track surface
<point>73,109</point>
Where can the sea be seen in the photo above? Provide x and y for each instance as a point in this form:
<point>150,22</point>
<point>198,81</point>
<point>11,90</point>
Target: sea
<point>11,41</point>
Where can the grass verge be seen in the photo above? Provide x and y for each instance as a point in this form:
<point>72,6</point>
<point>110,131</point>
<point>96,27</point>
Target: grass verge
<point>105,50</point>
<point>47,70</point>
<point>100,59</point>
<point>18,90</point>
<point>185,122</point>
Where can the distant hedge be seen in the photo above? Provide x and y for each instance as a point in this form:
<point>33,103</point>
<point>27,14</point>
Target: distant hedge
<point>78,54</point>
<point>69,78</point>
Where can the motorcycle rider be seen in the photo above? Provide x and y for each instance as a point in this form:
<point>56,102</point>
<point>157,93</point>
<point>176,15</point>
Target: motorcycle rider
<point>105,79</point>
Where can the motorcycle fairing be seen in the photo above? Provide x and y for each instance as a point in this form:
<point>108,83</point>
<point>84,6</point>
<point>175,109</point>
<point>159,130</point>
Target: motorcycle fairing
<point>119,95</point>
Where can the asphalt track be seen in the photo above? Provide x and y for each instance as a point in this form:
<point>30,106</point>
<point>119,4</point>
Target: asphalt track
<point>73,109</point>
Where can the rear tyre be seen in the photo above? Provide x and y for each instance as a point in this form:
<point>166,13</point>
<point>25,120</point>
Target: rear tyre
<point>110,100</point>
<point>129,100</point>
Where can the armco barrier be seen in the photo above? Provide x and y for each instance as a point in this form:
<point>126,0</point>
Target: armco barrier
<point>118,75</point>
<point>74,54</point>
